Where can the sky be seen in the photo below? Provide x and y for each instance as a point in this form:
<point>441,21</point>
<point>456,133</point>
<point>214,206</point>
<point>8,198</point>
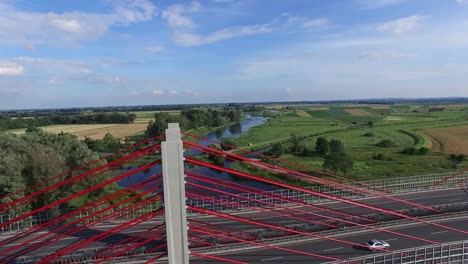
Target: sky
<point>59,54</point>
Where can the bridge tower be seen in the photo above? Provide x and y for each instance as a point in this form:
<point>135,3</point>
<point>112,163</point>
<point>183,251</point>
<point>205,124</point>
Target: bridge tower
<point>174,196</point>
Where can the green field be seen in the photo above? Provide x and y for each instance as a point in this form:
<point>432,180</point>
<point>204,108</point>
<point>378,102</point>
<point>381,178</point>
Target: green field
<point>348,123</point>
<point>148,115</point>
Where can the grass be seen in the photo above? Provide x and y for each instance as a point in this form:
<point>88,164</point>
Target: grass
<point>281,128</point>
<point>149,115</point>
<point>397,123</point>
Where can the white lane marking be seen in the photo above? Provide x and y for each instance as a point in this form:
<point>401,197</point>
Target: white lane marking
<point>331,249</point>
<point>440,232</point>
<point>391,239</point>
<point>271,259</point>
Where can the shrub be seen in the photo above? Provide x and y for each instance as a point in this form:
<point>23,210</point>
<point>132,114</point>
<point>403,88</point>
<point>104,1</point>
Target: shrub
<point>379,156</point>
<point>415,151</point>
<point>369,134</point>
<point>385,143</point>
<point>410,151</point>
<point>423,151</point>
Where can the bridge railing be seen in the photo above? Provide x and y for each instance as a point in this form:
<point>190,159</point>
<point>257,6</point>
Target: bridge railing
<point>390,186</point>
<point>398,185</point>
<point>453,253</point>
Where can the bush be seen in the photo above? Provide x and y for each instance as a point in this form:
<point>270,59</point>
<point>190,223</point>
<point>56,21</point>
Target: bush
<point>379,156</point>
<point>385,143</point>
<point>410,151</point>
<point>322,146</point>
<point>423,151</point>
<point>415,151</point>
<point>369,134</point>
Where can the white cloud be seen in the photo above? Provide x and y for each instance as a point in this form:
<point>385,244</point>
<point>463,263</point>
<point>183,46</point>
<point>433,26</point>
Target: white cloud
<point>172,92</point>
<point>158,92</point>
<point>155,48</point>
<point>177,17</point>
<point>10,69</point>
<point>130,11</point>
<point>462,1</point>
<point>190,39</point>
<point>31,29</point>
<point>314,23</point>
<point>402,25</point>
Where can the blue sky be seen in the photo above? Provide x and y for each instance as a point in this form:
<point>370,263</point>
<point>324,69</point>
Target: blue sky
<point>56,53</point>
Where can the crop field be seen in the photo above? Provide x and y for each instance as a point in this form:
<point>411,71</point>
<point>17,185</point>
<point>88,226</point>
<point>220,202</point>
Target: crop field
<point>149,115</point>
<point>404,125</point>
<point>318,108</point>
<point>358,112</point>
<point>95,131</point>
<point>450,140</point>
<point>302,113</point>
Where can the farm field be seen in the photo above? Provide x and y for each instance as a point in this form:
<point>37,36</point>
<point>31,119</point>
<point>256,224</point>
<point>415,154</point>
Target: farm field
<point>404,125</point>
<point>450,140</point>
<point>149,115</point>
<point>95,131</point>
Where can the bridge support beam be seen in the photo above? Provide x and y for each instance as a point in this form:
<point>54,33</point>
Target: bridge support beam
<point>174,196</point>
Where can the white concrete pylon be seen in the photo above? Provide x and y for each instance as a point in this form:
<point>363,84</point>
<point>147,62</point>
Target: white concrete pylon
<point>174,196</point>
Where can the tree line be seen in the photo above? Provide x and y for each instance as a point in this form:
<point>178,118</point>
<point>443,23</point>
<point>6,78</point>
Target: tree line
<point>7,123</point>
<point>194,118</point>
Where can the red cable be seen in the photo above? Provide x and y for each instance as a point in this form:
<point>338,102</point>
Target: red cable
<point>316,179</point>
<point>285,161</point>
<point>85,174</point>
<point>246,189</point>
<point>327,196</point>
<point>349,222</point>
<point>82,166</point>
<point>73,213</point>
<point>270,204</point>
<point>102,184</point>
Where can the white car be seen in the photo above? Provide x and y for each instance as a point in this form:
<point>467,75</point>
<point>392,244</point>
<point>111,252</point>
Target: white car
<point>377,244</point>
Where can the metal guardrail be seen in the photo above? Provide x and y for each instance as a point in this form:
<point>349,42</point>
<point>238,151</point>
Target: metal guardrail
<point>143,253</point>
<point>329,233</point>
<point>397,185</point>
<point>452,253</point>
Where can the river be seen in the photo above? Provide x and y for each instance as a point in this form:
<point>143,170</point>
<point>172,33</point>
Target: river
<point>235,130</point>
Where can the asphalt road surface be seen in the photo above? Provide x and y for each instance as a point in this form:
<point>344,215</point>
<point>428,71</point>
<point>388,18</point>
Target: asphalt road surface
<point>326,248</point>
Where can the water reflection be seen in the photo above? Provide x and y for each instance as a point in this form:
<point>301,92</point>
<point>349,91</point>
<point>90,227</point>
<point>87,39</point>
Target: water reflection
<point>232,131</point>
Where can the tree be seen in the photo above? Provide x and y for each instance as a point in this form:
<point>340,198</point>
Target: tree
<point>322,146</point>
<point>371,123</point>
<point>218,160</point>
<point>296,145</point>
<point>336,146</point>
<point>385,143</point>
<point>338,161</point>
<point>276,150</point>
<point>111,144</point>
<point>456,159</point>
<point>228,143</point>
